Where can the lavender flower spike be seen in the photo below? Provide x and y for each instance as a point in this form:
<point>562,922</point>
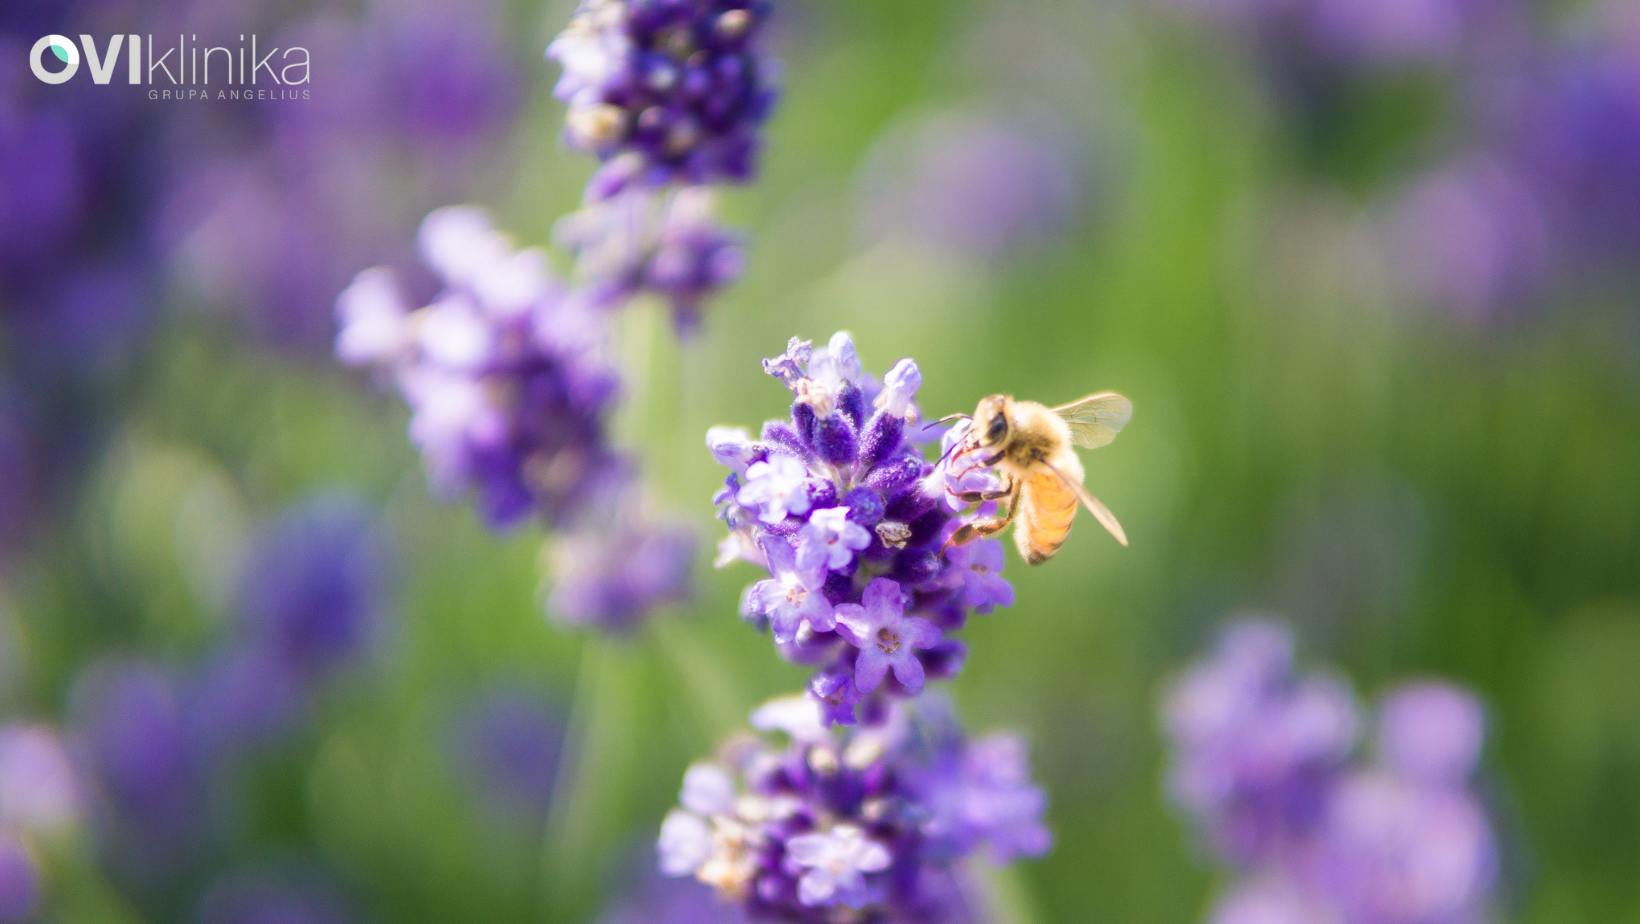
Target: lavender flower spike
<point>1315,832</point>
<point>611,575</point>
<point>1256,745</point>
<point>867,824</point>
<point>502,370</point>
<point>849,519</point>
<point>669,245</point>
<point>665,90</point>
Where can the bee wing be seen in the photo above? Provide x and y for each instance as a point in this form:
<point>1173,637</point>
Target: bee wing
<point>1095,506</point>
<point>1096,419</point>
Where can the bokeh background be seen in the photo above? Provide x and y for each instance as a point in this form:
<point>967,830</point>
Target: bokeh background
<point>1369,272</point>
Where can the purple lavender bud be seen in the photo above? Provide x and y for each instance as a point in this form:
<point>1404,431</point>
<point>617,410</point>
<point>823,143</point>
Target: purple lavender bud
<point>19,882</point>
<point>865,507</point>
<point>666,90</point>
<point>731,448</point>
<point>828,513</point>
<point>882,436</point>
<point>834,440</point>
<point>869,823</point>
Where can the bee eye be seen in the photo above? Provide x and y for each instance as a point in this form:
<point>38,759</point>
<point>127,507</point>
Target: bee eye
<point>996,429</point>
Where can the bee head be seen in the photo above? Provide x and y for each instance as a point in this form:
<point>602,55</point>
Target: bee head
<point>991,424</point>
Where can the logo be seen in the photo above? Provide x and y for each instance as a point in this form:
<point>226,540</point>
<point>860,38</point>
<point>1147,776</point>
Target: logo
<point>184,71</point>
<point>62,51</point>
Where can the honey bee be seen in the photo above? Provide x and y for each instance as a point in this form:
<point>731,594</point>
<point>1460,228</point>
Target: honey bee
<point>1030,446</point>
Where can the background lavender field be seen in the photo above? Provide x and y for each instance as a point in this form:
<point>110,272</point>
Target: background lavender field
<point>1370,274</point>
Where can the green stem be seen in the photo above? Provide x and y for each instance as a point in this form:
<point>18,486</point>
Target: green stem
<point>595,758</point>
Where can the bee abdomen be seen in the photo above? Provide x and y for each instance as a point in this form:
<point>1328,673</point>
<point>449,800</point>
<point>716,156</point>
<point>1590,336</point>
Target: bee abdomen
<point>1048,508</point>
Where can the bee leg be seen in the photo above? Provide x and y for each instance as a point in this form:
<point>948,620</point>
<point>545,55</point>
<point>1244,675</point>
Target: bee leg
<point>968,532</point>
<point>979,497</point>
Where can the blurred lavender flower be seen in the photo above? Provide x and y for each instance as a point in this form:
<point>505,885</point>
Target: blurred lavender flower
<point>668,244</point>
<point>280,201</point>
<point>244,698</point>
<point>19,882</point>
<point>1400,33</point>
<point>1338,35</point>
<point>507,744</point>
<point>509,390</point>
<point>312,589</point>
<point>40,790</point>
<point>865,824</point>
<point>1256,746</point>
<point>662,900</point>
<point>1396,850</point>
<point>77,270</point>
<point>311,601</point>
<point>1264,763</point>
<point>503,372</point>
<point>611,575</point>
<point>131,722</point>
<point>1431,731</point>
<point>259,209</point>
<point>665,91</point>
<point>273,898</point>
<point>1270,900</point>
<point>984,795</point>
<point>1471,237</point>
<point>849,520</point>
<point>1578,129</point>
<point>975,185</point>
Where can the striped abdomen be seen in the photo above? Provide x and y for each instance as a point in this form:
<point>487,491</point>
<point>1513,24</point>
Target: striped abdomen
<point>1047,507</point>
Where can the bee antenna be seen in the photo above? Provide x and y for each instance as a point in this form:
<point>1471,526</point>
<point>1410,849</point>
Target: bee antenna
<point>948,418</point>
<point>947,453</point>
